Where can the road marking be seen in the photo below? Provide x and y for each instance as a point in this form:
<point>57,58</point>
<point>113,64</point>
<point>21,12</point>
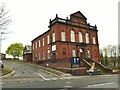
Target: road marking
<point>67,86</point>
<point>95,85</point>
<point>53,78</point>
<point>68,82</point>
<point>2,83</point>
<point>42,76</point>
<point>23,82</point>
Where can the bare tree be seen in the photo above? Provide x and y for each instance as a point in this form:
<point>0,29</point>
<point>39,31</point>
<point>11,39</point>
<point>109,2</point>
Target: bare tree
<point>110,50</point>
<point>4,22</point>
<point>114,49</point>
<point>106,55</point>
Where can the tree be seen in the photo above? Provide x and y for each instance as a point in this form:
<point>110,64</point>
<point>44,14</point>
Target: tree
<point>110,50</point>
<point>4,22</point>
<point>106,56</point>
<point>16,50</point>
<point>101,57</point>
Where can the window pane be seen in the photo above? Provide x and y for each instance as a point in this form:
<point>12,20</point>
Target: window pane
<point>88,53</point>
<point>48,54</point>
<point>38,56</point>
<point>43,56</point>
<point>36,45</point>
<point>53,37</point>
<point>63,37</point>
<point>94,41</point>
<point>72,36</point>
<point>87,38</point>
<point>39,43</point>
<point>43,42</point>
<point>73,53</point>
<point>48,39</point>
<point>80,37</point>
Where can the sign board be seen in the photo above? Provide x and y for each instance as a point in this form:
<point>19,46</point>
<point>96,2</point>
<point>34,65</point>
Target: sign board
<point>53,47</point>
<point>74,60</point>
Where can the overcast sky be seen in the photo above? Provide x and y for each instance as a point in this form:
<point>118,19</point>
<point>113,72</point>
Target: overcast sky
<point>30,18</point>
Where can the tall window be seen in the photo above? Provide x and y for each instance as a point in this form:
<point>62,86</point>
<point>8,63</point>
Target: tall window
<point>43,42</point>
<point>43,56</point>
<point>48,39</point>
<point>39,43</point>
<point>88,52</point>
<point>72,36</point>
<point>53,36</point>
<point>36,45</point>
<point>48,54</point>
<point>38,56</point>
<point>80,37</point>
<point>87,38</point>
<point>73,53</point>
<point>94,40</point>
<point>63,37</point>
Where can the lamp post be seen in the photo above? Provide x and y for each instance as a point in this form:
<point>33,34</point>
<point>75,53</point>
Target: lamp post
<point>0,44</point>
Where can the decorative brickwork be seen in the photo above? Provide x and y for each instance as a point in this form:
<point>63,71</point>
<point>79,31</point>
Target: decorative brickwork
<point>67,38</point>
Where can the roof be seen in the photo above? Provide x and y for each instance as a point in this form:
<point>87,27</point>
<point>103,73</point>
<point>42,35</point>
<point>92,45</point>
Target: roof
<point>40,35</point>
<point>28,47</point>
<point>78,14</point>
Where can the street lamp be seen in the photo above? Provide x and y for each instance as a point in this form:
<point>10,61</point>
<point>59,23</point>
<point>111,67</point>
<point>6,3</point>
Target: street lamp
<point>1,43</point>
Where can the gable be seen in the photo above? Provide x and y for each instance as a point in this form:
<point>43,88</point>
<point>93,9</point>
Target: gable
<point>79,15</point>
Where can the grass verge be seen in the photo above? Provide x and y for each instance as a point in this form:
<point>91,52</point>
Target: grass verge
<point>6,70</point>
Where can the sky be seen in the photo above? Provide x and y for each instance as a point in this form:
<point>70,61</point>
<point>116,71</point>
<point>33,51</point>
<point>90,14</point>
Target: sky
<point>30,18</point>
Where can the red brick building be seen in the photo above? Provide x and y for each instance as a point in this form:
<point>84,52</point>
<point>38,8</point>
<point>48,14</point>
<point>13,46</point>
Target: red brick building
<point>67,38</point>
<point>27,53</point>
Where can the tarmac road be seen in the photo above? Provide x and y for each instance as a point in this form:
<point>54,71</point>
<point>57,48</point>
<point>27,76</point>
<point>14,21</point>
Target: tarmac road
<point>31,76</point>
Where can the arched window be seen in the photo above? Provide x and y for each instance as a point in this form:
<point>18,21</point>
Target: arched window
<point>53,36</point>
<point>73,53</point>
<point>80,37</point>
<point>87,38</point>
<point>88,52</point>
<point>72,36</point>
<point>63,36</point>
<point>94,40</point>
<point>64,51</point>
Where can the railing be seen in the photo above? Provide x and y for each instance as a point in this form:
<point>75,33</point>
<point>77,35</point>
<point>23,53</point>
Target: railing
<point>72,23</point>
<point>87,64</point>
<point>102,67</point>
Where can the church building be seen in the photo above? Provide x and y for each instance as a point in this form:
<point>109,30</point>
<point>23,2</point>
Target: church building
<point>66,38</point>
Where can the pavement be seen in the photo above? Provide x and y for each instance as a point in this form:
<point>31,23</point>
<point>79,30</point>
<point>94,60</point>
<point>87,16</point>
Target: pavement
<point>36,76</point>
<point>54,72</point>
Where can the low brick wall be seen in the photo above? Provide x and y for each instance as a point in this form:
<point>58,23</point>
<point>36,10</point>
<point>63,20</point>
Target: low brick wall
<point>75,71</point>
